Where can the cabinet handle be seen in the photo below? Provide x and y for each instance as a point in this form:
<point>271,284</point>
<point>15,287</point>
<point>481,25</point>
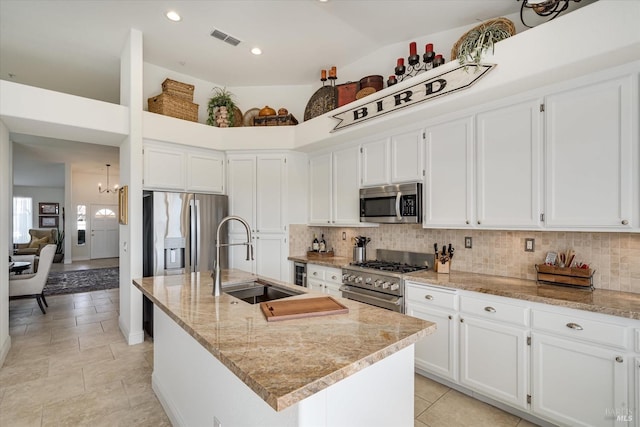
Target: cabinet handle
<point>625,222</point>
<point>315,273</point>
<point>450,317</point>
<point>334,277</point>
<point>478,222</point>
<point>574,326</point>
<point>490,309</point>
<point>461,320</point>
<point>467,222</point>
<point>619,359</point>
<point>429,297</point>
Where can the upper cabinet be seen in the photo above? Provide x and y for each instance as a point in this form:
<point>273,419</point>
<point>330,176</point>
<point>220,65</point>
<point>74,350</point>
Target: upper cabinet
<point>448,183</point>
<point>508,166</point>
<point>182,168</point>
<point>393,160</point>
<point>590,156</point>
<point>334,191</point>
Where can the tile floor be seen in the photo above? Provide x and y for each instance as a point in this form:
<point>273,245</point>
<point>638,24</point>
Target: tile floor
<point>72,367</point>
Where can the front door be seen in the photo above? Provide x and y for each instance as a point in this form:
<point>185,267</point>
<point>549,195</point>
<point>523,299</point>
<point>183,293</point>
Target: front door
<point>104,231</point>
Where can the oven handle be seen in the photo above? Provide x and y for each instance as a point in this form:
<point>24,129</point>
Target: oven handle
<point>398,198</point>
<point>346,290</point>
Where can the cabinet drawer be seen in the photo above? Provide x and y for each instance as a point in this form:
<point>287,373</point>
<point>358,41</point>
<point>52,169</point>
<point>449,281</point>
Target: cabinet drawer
<point>333,275</point>
<point>315,271</point>
<point>432,296</point>
<point>572,326</point>
<point>495,310</point>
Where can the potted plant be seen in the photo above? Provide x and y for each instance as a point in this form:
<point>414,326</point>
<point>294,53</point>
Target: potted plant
<point>473,44</point>
<point>221,108</point>
<point>59,246</point>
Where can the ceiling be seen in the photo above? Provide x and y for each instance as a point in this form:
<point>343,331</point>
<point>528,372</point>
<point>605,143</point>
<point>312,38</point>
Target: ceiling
<point>74,46</point>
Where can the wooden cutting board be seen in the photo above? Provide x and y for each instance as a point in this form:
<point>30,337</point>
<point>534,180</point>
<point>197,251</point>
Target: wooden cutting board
<point>299,308</point>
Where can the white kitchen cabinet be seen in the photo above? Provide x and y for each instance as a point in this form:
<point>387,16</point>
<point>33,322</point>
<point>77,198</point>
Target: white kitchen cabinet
<point>508,166</point>
<point>270,255</point>
<point>168,167</point>
<point>324,279</point>
<point>393,160</point>
<point>576,384</point>
<point>436,353</point>
<point>257,192</point>
<point>375,163</point>
<point>448,182</point>
<point>493,348</point>
<point>590,156</point>
<point>334,188</point>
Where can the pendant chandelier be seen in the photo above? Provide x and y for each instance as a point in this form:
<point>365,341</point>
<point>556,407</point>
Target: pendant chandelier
<point>544,8</point>
<point>108,189</point>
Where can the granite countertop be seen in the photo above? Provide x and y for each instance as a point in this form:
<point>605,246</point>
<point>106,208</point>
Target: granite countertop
<point>329,261</point>
<point>286,361</point>
<point>616,303</point>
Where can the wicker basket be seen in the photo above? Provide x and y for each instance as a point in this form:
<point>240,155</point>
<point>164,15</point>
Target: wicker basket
<point>504,23</point>
<point>181,90</point>
<point>173,106</point>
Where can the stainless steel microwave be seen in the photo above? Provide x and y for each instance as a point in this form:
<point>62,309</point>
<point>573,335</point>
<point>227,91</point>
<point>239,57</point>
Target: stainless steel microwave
<point>392,204</point>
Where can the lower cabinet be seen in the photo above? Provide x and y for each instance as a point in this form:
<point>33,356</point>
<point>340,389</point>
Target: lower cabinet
<point>324,279</point>
<point>566,366</point>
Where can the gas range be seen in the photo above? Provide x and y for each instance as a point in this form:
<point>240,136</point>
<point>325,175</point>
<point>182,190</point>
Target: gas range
<point>381,282</point>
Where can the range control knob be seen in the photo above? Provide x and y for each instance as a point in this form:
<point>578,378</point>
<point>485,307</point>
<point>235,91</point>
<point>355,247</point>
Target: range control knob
<point>368,280</point>
<point>377,283</point>
<point>352,278</point>
<point>386,285</point>
<point>358,279</point>
<point>394,287</point>
<point>345,277</point>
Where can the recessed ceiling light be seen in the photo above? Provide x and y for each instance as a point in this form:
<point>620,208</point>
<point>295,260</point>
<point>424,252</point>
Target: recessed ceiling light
<point>172,15</point>
<point>256,51</point>
<point>323,1</point>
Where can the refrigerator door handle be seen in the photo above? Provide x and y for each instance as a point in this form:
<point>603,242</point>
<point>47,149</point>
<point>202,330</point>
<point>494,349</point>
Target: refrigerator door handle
<point>193,235</point>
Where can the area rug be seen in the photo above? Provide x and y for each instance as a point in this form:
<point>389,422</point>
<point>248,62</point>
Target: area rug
<point>71,282</point>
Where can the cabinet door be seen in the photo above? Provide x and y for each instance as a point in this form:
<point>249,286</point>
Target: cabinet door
<point>589,156</point>
<point>375,163</point>
<point>407,157</point>
<point>577,384</point>
<point>437,352</point>
<point>242,191</point>
<point>332,289</point>
<point>164,169</point>
<point>315,285</point>
<point>270,253</point>
<point>346,192</point>
<point>205,172</point>
<point>508,162</point>
<point>493,360</point>
<point>449,165</point>
<point>270,194</point>
<point>320,189</point>
<point>238,254</point>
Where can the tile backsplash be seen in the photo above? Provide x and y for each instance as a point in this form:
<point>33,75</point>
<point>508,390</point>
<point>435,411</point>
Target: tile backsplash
<point>615,256</point>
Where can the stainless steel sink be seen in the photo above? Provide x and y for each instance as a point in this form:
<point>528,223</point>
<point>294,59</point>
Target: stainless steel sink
<point>259,291</point>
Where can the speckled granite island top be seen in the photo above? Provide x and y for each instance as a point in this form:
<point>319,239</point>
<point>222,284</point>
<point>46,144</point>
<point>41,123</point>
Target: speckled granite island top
<point>616,303</point>
<point>283,362</point>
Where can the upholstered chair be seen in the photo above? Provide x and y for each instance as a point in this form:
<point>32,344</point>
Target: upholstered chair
<point>39,239</point>
<point>32,285</point>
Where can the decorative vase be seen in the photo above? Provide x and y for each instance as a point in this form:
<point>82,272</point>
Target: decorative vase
<point>222,117</point>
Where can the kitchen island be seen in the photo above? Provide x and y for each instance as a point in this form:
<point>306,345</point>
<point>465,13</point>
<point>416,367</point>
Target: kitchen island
<point>219,358</point>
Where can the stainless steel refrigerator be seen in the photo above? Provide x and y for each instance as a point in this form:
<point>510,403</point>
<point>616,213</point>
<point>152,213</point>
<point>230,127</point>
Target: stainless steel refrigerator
<point>179,233</point>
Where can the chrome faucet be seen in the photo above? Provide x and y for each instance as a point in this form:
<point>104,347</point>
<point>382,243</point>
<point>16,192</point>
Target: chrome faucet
<point>216,266</point>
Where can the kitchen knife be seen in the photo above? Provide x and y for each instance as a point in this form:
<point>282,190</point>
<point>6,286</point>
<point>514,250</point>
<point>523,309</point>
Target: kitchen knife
<point>435,248</point>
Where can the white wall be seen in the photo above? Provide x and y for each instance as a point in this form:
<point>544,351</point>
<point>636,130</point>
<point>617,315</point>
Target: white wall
<point>6,174</point>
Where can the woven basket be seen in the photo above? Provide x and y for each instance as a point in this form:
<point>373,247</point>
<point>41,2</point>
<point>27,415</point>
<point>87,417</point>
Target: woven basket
<point>504,23</point>
<point>181,90</point>
<point>173,106</point>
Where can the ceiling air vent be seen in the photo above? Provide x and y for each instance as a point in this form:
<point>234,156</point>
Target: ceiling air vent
<point>225,37</point>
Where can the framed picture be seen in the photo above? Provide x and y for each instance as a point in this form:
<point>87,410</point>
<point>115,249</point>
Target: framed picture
<point>122,205</point>
<point>48,221</point>
<point>48,208</point>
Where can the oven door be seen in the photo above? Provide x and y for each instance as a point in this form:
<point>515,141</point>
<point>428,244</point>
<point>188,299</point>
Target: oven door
<point>378,299</point>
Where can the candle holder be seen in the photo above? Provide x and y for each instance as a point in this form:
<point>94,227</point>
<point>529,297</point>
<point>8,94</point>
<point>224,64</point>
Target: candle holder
<point>415,66</point>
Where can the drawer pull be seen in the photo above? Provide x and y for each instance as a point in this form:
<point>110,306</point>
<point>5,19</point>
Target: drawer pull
<point>334,277</point>
<point>450,317</point>
<point>315,273</point>
<point>619,359</point>
<point>490,309</point>
<point>574,326</point>
<point>429,297</point>
<point>625,222</point>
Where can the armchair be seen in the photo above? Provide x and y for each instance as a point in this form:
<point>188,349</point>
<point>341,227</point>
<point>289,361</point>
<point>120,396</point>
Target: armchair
<point>32,285</point>
<point>39,239</point>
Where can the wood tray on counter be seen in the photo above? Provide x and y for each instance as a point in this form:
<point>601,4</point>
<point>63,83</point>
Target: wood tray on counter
<point>311,254</point>
<point>299,308</point>
<point>577,277</point>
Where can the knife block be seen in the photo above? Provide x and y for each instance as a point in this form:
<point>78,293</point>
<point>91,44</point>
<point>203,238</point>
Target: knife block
<point>439,267</point>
